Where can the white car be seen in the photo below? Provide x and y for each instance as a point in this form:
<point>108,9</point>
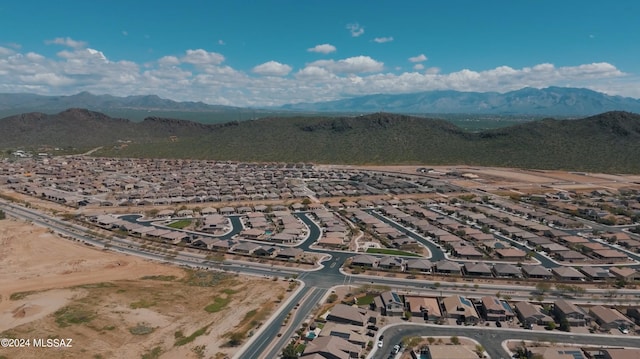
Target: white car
<point>380,343</point>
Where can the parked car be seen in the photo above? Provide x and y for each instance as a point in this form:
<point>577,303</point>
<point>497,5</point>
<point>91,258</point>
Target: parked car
<point>498,324</point>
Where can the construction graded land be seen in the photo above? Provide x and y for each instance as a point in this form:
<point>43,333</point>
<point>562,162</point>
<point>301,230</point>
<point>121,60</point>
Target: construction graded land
<point>117,306</point>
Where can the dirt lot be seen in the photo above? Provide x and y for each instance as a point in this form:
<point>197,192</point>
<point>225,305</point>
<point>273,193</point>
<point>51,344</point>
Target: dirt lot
<point>117,306</point>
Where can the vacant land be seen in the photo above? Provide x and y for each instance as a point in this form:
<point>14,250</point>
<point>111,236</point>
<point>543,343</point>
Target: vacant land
<point>115,306</point>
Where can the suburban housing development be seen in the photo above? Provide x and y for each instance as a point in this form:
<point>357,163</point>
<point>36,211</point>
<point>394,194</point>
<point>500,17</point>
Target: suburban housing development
<point>463,247</point>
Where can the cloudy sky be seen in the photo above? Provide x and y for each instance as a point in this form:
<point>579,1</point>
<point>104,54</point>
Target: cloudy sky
<point>262,53</point>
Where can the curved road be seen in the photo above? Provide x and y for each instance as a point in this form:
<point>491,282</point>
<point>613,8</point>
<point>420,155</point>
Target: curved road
<point>317,284</point>
<point>492,338</point>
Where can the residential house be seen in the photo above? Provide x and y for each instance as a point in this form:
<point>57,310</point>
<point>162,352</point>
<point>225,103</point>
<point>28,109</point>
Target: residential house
<point>555,352</point>
<point>204,243</point>
<point>511,254</point>
<point>620,353</point>
<point>634,313</point>
<point>283,238</point>
<point>424,307</point>
<point>495,309</point>
<point>252,233</point>
<point>418,265</point>
<point>364,260</point>
<point>447,267</point>
<point>567,273</point>
<point>563,309</point>
<point>265,251</point>
<point>346,314</point>
<point>624,273</point>
<point>506,270</point>
<point>466,252</point>
<point>390,263</point>
<point>351,333</point>
<point>596,273</point>
<point>536,272</point>
<point>530,314</point>
<point>246,247</point>
<point>331,240</point>
<point>331,347</point>
<point>461,309</point>
<point>609,318</point>
<point>610,256</point>
<point>390,304</point>
<point>477,269</point>
<point>570,256</point>
<point>290,253</point>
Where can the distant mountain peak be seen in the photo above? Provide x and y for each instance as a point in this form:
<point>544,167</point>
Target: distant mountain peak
<point>550,101</point>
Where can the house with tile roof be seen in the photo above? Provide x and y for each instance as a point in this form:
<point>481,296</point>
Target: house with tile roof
<point>460,308</point>
<point>575,316</point>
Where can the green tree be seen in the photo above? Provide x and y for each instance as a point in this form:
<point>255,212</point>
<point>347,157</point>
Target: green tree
<point>236,339</point>
<point>2,214</point>
<point>551,326</point>
<point>407,314</point>
<point>564,324</point>
<point>289,352</point>
<point>332,298</point>
<point>454,340</point>
<point>543,287</point>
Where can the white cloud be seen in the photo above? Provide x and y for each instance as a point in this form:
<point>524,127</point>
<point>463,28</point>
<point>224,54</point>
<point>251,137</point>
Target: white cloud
<point>323,49</point>
<point>351,65</point>
<point>355,29</point>
<point>382,40</point>
<point>432,71</point>
<point>212,81</point>
<point>600,69</point>
<point>125,33</point>
<point>32,56</point>
<point>419,58</point>
<point>88,54</point>
<point>168,61</point>
<point>5,51</point>
<point>272,68</point>
<point>66,41</point>
<point>49,79</point>
<point>314,73</point>
<point>202,57</point>
<point>221,42</point>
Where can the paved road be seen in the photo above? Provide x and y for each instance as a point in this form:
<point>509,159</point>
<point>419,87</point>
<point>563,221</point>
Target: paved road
<point>317,282</point>
<point>435,251</point>
<point>303,312</point>
<point>491,338</point>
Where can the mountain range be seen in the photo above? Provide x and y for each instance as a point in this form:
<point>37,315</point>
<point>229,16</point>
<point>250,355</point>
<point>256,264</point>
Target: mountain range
<point>47,104</point>
<point>609,142</point>
<point>552,101</point>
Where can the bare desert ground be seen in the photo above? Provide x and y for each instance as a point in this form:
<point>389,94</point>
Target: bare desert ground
<point>117,306</point>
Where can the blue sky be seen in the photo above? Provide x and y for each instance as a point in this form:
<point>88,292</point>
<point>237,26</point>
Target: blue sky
<point>261,53</point>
